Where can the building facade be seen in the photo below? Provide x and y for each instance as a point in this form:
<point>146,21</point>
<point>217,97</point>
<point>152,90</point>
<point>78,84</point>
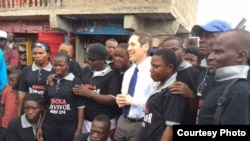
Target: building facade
<point>85,21</point>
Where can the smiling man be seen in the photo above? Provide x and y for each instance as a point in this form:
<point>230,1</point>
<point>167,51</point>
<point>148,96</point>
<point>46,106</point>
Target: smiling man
<point>134,95</point>
<point>227,62</point>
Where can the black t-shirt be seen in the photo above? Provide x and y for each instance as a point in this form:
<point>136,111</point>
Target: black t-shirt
<point>62,103</point>
<point>106,83</point>
<point>16,132</point>
<point>204,84</point>
<point>33,80</point>
<point>189,77</point>
<point>236,105</point>
<point>74,67</point>
<point>161,108</point>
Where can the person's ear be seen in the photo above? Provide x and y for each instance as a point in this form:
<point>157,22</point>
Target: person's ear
<point>242,57</point>
<point>48,54</point>
<point>146,47</point>
<point>170,69</point>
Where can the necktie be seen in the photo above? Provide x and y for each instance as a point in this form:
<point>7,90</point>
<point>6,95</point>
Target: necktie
<point>131,90</point>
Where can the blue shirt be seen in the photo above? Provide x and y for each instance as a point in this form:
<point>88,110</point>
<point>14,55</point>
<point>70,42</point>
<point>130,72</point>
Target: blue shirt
<point>3,72</point>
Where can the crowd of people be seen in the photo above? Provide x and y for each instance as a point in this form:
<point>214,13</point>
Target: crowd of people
<point>125,92</point>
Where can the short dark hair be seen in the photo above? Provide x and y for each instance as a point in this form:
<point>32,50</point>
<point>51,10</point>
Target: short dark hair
<point>34,97</point>
<point>111,39</point>
<point>168,56</point>
<point>194,50</point>
<point>144,38</point>
<point>103,118</point>
<point>18,73</point>
<point>123,45</point>
<point>175,38</point>
<point>63,55</point>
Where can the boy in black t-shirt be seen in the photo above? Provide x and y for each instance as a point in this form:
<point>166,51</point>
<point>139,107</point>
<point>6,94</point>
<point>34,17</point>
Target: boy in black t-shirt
<point>24,127</point>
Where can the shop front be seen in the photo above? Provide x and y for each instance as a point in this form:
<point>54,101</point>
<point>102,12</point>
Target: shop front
<point>27,32</point>
<point>99,30</point>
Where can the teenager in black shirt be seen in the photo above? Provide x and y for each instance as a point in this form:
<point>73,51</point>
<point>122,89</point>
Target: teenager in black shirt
<point>64,111</point>
<point>33,78</point>
<point>163,109</point>
<point>24,128</point>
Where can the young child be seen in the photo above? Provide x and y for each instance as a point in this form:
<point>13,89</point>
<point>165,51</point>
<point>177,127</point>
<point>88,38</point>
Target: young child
<point>8,109</point>
<point>24,127</point>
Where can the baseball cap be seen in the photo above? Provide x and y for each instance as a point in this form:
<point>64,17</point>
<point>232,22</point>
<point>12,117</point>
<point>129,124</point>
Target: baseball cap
<point>3,34</point>
<point>97,51</point>
<point>212,26</point>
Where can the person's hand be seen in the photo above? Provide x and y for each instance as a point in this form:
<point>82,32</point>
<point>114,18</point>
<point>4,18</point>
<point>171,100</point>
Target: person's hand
<point>77,133</point>
<point>120,100</point>
<point>81,90</point>
<point>39,134</point>
<point>123,99</point>
<point>49,80</point>
<point>181,89</point>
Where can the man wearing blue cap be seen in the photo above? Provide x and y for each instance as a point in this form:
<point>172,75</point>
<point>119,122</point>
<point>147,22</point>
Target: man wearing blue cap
<point>207,34</point>
<point>227,102</point>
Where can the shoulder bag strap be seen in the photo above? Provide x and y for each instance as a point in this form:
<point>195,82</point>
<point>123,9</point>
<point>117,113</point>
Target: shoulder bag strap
<point>220,102</point>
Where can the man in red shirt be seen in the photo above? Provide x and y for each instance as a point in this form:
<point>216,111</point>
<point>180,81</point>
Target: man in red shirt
<point>11,53</point>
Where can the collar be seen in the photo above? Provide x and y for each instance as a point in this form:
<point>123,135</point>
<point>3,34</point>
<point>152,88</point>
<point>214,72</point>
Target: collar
<point>102,72</point>
<point>143,64</point>
<point>69,76</point>
<point>231,72</point>
<point>47,68</point>
<point>203,62</point>
<point>169,82</point>
<point>109,61</point>
<point>25,123</point>
<point>88,139</point>
<point>184,65</point>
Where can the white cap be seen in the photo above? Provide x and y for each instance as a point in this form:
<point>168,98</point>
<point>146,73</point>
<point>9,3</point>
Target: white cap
<point>3,34</point>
